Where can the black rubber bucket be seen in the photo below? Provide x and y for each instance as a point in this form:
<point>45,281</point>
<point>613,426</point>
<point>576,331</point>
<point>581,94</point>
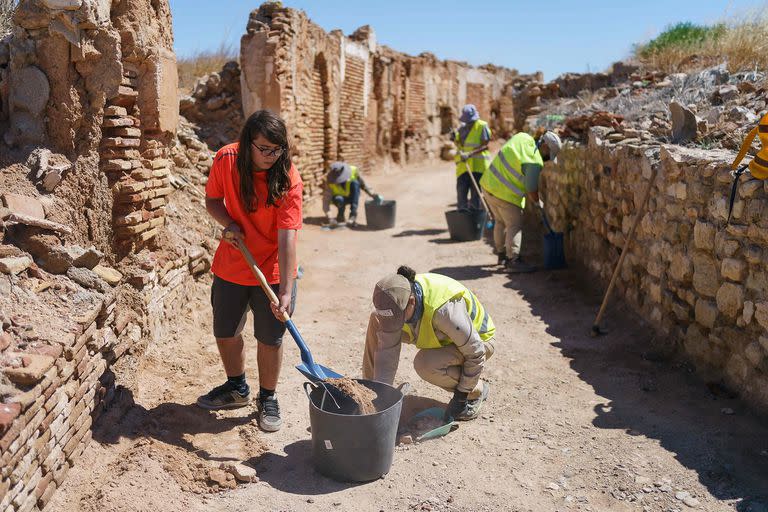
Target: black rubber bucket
<point>380,215</point>
<point>465,225</point>
<point>554,252</point>
<point>349,447</point>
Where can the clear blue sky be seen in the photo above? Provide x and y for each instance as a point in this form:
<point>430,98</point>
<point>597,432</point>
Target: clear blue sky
<point>554,36</point>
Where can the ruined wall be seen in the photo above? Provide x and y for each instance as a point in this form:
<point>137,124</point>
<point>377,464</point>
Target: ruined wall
<point>95,82</point>
<point>348,98</point>
<point>701,283</point>
<point>88,115</point>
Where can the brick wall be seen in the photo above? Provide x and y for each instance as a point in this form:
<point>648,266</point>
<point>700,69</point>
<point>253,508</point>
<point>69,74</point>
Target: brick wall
<point>380,106</point>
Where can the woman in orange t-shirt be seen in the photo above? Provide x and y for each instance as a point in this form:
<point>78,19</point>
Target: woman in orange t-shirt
<point>254,192</point>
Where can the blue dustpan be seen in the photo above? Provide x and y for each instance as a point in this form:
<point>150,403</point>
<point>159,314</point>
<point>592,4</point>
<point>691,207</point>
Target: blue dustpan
<point>439,413</point>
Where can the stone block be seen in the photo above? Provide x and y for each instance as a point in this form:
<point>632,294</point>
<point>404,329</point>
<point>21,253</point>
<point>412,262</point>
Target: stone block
<point>706,313</point>
<point>704,235</point>
<point>761,314</point>
<point>748,312</point>
<point>24,205</point>
<point>30,90</point>
<point>14,265</point>
<point>159,98</point>
<point>705,276</point>
<point>681,267</point>
<point>733,269</point>
<point>754,354</point>
<point>108,274</point>
<point>730,299</point>
<point>35,366</point>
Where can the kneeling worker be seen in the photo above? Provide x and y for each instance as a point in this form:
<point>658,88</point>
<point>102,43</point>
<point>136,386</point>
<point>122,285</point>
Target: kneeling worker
<point>513,176</point>
<point>446,321</point>
<point>343,184</point>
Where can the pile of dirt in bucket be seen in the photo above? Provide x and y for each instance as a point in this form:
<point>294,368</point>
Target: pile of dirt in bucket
<point>358,393</point>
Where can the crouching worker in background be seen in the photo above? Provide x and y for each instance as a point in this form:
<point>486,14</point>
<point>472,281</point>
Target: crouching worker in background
<point>452,330</point>
<point>343,185</point>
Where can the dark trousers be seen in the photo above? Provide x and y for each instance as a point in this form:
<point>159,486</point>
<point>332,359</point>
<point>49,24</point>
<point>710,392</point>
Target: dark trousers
<point>352,199</point>
<point>464,187</point>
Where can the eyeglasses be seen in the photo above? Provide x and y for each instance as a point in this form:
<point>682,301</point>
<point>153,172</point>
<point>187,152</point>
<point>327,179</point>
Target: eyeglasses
<point>269,151</point>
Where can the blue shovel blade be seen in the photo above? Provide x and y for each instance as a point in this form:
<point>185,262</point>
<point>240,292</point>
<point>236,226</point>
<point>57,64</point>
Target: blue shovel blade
<point>437,413</point>
<point>318,373</point>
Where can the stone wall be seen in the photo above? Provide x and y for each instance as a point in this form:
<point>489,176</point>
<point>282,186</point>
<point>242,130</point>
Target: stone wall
<point>347,98</point>
<point>701,283</point>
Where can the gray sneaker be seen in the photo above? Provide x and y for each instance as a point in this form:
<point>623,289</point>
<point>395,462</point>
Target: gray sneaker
<point>223,397</point>
<point>472,408</point>
<point>269,414</point>
<point>518,267</point>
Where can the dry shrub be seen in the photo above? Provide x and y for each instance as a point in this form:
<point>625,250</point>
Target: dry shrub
<point>204,62</point>
<point>6,16</point>
<point>742,43</point>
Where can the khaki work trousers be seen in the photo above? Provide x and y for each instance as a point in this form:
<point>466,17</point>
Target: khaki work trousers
<point>508,227</point>
<point>439,366</point>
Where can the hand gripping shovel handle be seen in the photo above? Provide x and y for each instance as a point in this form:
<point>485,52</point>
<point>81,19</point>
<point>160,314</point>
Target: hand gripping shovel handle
<point>306,355</point>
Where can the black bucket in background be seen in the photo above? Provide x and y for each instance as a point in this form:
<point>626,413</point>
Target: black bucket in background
<point>465,225</point>
<point>554,252</point>
<point>380,215</point>
<point>350,447</point>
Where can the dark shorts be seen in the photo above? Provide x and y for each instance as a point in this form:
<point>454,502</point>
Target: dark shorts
<point>230,303</point>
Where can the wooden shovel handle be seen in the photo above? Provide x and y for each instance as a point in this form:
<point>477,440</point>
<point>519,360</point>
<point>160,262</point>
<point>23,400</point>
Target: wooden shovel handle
<point>262,280</point>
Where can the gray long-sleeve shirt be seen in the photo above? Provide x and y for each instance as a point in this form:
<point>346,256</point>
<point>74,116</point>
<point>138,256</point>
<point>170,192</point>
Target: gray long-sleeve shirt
<point>328,195</point>
<point>450,321</point>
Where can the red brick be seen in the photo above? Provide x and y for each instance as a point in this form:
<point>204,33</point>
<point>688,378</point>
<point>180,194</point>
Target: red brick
<point>117,122</point>
<point>8,413</point>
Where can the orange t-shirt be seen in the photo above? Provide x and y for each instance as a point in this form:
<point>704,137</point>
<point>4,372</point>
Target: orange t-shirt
<point>260,226</point>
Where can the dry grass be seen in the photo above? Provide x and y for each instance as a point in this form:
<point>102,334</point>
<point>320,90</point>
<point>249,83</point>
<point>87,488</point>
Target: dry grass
<point>742,43</point>
<point>6,16</point>
<point>204,62</point>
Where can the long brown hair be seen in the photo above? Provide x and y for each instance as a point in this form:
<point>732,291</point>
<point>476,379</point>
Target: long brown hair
<point>271,127</point>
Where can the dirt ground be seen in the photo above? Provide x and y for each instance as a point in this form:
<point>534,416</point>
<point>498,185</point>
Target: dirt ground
<point>572,423</point>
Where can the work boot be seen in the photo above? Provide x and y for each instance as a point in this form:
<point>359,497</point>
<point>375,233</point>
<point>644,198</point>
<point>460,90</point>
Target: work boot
<point>269,414</point>
<point>502,260</point>
<point>517,266</point>
<point>472,409</point>
<point>225,396</point>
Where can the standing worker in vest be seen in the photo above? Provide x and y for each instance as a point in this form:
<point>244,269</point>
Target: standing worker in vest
<point>472,155</point>
<point>513,176</point>
<point>452,330</point>
<point>255,193</point>
<point>343,184</point>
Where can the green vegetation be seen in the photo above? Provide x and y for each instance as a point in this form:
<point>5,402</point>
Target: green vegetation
<point>742,43</point>
<point>681,36</point>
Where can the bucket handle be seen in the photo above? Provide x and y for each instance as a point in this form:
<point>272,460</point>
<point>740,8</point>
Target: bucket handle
<point>405,388</point>
<point>327,393</point>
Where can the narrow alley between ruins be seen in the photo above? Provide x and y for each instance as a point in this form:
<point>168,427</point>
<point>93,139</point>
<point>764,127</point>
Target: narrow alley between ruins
<point>572,423</point>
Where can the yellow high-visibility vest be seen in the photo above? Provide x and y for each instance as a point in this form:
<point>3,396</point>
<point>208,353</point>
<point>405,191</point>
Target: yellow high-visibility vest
<point>504,178</point>
<point>344,188</point>
<point>479,162</point>
<point>438,290</point>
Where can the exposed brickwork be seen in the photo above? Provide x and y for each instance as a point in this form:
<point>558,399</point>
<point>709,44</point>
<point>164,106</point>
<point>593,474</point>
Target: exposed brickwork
<point>379,105</point>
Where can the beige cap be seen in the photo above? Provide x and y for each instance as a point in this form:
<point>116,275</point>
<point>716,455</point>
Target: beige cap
<point>390,298</point>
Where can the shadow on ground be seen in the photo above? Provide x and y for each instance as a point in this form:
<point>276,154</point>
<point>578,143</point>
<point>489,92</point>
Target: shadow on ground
<point>660,398</point>
<point>419,232</point>
<point>466,273</point>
